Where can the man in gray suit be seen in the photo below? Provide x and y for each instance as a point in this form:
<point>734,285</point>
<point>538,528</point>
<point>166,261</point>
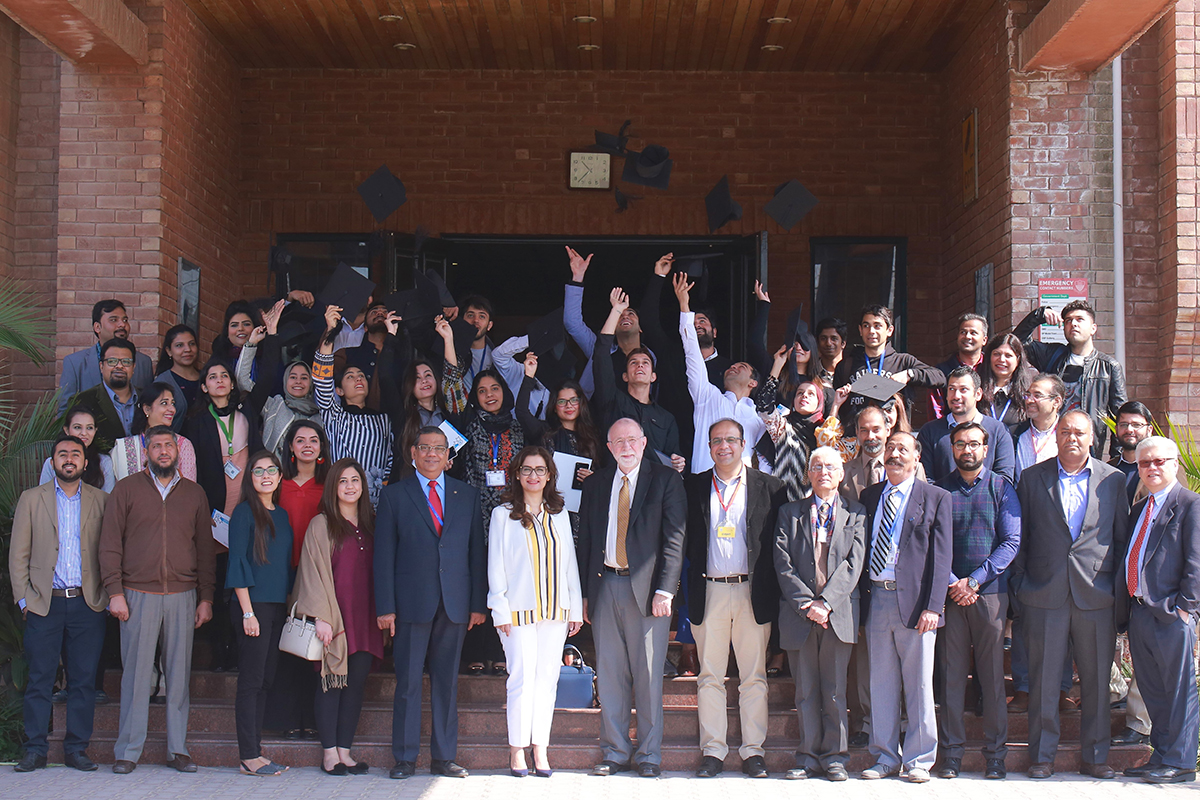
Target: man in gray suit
<point>1158,595</point>
<point>632,520</point>
<point>81,369</point>
<point>819,546</point>
<point>1074,519</point>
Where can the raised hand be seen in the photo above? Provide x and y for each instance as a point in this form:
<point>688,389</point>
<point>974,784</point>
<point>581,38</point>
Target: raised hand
<point>271,317</point>
<point>392,321</point>
<point>579,264</point>
<point>760,292</point>
<point>618,299</point>
<point>531,364</point>
<point>662,267</point>
<point>333,315</point>
<point>442,326</point>
<point>683,291</point>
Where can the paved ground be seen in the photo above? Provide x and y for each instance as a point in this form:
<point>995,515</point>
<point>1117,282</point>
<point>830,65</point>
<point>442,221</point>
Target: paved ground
<point>151,782</point>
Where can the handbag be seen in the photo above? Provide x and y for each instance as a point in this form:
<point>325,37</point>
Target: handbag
<point>576,682</point>
<point>299,637</point>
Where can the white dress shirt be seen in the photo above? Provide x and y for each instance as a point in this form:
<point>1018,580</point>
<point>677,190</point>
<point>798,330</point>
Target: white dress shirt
<point>610,538</point>
<point>727,556</point>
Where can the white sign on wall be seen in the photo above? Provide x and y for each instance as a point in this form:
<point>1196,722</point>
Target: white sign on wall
<point>1056,293</point>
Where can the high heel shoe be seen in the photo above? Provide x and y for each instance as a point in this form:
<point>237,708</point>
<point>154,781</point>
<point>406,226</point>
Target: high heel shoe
<point>518,773</point>
<point>543,773</point>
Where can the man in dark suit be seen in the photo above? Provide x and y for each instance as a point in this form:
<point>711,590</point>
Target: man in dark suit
<point>430,589</point>
<point>1158,595</point>
<point>1074,518</point>
<point>631,540</point>
<point>908,569</point>
<point>964,389</point>
<point>81,369</point>
<point>114,401</point>
<point>733,593</point>
<point>819,548</point>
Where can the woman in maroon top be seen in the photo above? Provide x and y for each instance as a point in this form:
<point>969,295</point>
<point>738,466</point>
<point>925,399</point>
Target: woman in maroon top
<point>335,584</point>
<point>290,703</point>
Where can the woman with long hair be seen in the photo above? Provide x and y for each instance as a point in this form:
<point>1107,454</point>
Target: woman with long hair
<point>260,575</point>
<point>241,319</point>
<point>335,584</point>
<point>794,436</point>
<point>535,598</point>
<point>177,365</point>
<point>80,422</point>
<point>156,407</point>
<point>1006,380</point>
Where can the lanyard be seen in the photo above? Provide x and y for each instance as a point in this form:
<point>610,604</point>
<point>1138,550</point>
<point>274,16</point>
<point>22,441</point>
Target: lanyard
<point>482,361</point>
<point>721,501</point>
<point>817,525</point>
<point>879,370</point>
<point>433,511</point>
<point>495,450</point>
<point>1033,440</point>
<point>225,429</point>
<point>1003,413</point>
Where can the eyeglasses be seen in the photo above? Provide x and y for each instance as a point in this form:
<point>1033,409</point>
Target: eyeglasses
<point>567,401</point>
<point>1153,462</point>
<point>628,441</point>
<point>716,441</point>
<point>968,445</point>
<point>820,467</point>
<point>431,448</point>
<point>1039,397</point>
<point>539,471</point>
<point>258,472</point>
<point>1133,426</point>
<point>118,362</point>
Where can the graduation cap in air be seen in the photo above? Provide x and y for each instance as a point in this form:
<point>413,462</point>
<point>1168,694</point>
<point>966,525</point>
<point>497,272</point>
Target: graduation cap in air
<point>790,204</point>
<point>383,193</point>
<point>720,206</point>
<point>613,144</point>
<point>797,331</point>
<point>696,268</point>
<point>876,387</point>
<point>348,290</point>
<point>434,287</point>
<point>623,200</point>
<point>281,259</point>
<point>651,167</point>
<point>296,325</point>
<point>464,334</point>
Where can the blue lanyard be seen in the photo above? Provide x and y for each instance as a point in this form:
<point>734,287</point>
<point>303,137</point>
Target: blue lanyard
<point>433,511</point>
<point>495,450</point>
<point>471,370</point>
<point>1003,413</point>
<point>878,372</point>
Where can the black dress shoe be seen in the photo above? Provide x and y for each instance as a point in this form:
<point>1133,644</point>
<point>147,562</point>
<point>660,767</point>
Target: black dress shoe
<point>710,767</point>
<point>29,762</point>
<point>403,769</point>
<point>648,770</point>
<point>950,768</point>
<point>860,739</point>
<point>995,769</point>
<point>448,768</point>
<point>1139,772</point>
<point>606,768</point>
<point>1169,775</point>
<point>79,761</point>
<point>755,767</point>
<point>1102,771</point>
<point>837,772</point>
<point>1130,736</point>
<point>1040,770</point>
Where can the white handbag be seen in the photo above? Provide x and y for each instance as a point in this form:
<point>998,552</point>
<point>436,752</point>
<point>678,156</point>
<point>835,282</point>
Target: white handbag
<point>299,637</point>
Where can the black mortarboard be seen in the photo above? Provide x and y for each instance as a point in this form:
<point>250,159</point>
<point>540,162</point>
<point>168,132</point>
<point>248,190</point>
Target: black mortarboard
<point>613,144</point>
<point>797,331</point>
<point>281,259</point>
<point>554,368</point>
<point>790,203</point>
<point>720,206</point>
<point>348,290</point>
<point>464,334</point>
<point>383,193</point>
<point>651,167</point>
<point>433,287</point>
<point>412,307</point>
<point>547,332</point>
<point>296,323</point>
<point>876,387</point>
<point>695,266</point>
<point>623,200</point>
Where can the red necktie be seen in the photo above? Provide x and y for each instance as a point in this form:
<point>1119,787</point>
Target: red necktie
<point>1131,572</point>
<point>435,507</point>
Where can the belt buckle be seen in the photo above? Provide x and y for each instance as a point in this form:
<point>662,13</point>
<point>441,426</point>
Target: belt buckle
<point>888,586</point>
<point>71,592</point>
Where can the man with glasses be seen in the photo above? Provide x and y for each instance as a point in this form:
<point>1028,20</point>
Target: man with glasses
<point>632,518</point>
<point>1035,437</point>
<point>987,533</point>
<point>733,594</point>
<point>81,369</point>
<point>964,388</point>
<point>115,400</point>
<point>1158,595</point>
<point>1074,524</point>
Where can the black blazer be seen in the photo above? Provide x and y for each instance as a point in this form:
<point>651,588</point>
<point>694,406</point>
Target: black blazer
<point>415,568</point>
<point>201,429</point>
<point>925,553</point>
<point>654,542</point>
<point>108,422</point>
<point>795,564</point>
<point>1171,567</point>
<point>764,495</point>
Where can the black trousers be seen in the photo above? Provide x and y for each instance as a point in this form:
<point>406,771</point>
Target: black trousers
<point>75,632</point>
<point>258,657</point>
<point>337,710</point>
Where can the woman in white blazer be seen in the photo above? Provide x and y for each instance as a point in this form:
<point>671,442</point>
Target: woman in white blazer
<point>534,595</point>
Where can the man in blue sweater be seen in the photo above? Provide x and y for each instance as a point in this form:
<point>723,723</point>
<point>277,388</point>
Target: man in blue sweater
<point>963,391</point>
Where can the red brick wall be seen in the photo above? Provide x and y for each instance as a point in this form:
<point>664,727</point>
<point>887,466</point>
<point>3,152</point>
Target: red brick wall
<point>485,153</point>
<point>10,75</point>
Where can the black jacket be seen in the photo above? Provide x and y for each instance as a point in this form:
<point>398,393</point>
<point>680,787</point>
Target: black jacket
<point>611,402</point>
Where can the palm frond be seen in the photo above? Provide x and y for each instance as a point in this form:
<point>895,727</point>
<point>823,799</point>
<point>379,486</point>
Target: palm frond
<point>24,326</point>
<point>1189,453</point>
<point>24,449</point>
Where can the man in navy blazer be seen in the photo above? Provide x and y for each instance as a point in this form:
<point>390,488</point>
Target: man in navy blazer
<point>963,392</point>
<point>632,519</point>
<point>910,529</point>
<point>1158,596</point>
<point>430,589</point>
<point>81,369</point>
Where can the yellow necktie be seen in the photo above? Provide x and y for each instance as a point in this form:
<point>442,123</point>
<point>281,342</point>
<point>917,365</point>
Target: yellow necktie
<point>622,523</point>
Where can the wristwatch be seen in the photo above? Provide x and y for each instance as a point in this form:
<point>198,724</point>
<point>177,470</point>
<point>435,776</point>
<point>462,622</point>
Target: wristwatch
<point>972,584</point>
<point>248,615</point>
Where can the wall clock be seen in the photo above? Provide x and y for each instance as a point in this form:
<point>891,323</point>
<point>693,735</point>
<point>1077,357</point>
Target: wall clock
<point>590,170</point>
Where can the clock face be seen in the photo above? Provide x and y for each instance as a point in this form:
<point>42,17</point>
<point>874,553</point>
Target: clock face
<point>590,170</point>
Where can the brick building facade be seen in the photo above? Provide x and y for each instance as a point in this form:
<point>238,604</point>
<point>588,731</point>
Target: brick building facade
<point>108,175</point>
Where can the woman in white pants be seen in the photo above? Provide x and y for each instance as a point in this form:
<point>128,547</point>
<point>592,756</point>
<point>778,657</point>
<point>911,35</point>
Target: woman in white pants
<point>534,595</point>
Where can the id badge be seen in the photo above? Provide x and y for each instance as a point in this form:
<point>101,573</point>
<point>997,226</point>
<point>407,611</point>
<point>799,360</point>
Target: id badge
<point>726,531</point>
<point>231,470</point>
<point>495,478</point>
<point>822,537</point>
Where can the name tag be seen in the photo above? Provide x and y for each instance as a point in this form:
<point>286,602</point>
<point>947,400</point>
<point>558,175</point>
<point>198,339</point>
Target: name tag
<point>726,531</point>
<point>231,470</point>
<point>822,536</point>
<point>495,478</point>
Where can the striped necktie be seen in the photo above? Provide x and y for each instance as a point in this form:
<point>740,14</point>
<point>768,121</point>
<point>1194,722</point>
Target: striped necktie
<point>883,542</point>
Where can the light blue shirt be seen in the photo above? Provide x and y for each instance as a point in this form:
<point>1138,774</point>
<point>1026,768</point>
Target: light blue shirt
<point>1073,489</point>
<point>68,570</point>
<point>440,483</point>
<point>124,410</point>
<point>905,490</point>
<point>1160,497</point>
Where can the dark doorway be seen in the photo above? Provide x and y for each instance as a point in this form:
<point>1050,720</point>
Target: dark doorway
<point>851,272</point>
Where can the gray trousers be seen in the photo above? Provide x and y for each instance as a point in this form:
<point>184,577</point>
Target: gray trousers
<point>1162,656</point>
<point>979,626</point>
<point>901,661</point>
<point>858,686</point>
<point>174,615</point>
<point>819,667</point>
<point>630,649</point>
<point>1092,636</point>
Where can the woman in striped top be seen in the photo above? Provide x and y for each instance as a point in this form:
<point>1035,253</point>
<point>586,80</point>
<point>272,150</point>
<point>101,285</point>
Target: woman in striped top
<point>354,430</point>
<point>534,595</point>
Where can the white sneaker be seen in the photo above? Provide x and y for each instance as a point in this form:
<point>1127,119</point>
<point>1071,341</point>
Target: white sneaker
<point>918,775</point>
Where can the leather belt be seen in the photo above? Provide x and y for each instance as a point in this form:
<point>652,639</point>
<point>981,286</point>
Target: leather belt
<point>887,586</point>
<point>70,591</point>
<point>616,570</point>
<point>728,579</point>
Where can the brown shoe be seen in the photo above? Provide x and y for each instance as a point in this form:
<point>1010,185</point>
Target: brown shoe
<point>1019,702</point>
<point>180,762</point>
<point>1043,770</point>
<point>1102,771</point>
<point>1065,703</point>
<point>689,664</point>
<point>124,767</point>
